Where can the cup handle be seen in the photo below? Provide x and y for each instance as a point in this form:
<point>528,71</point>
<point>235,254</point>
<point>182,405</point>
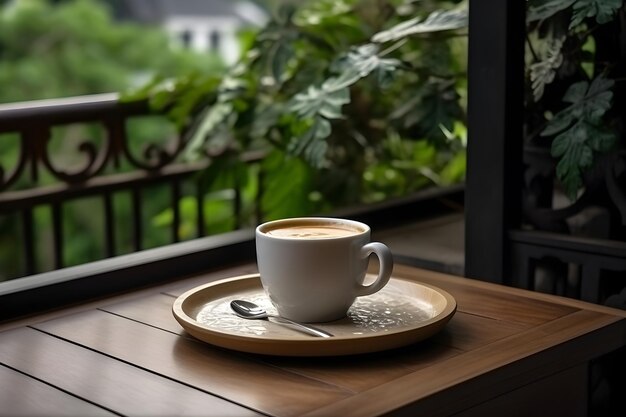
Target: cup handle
<point>386,266</point>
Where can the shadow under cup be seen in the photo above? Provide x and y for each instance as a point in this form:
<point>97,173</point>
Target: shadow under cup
<point>313,268</point>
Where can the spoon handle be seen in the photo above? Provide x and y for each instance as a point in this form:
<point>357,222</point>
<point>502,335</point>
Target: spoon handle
<point>304,327</point>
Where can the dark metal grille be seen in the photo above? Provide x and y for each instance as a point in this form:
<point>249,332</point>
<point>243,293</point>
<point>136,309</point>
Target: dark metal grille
<point>106,168</point>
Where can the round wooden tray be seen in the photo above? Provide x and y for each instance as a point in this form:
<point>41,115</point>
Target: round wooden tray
<point>403,312</point>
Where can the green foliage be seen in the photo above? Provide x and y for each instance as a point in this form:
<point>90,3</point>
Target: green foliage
<point>588,103</point>
<point>411,165</point>
<point>543,72</point>
<point>540,10</point>
<point>218,212</point>
<point>59,49</point>
<point>76,48</point>
<point>439,20</point>
<point>562,58</point>
<point>579,130</point>
<point>287,184</point>
<point>602,10</point>
<point>322,89</point>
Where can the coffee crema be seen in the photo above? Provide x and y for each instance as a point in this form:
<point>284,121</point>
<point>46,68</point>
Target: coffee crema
<point>313,231</point>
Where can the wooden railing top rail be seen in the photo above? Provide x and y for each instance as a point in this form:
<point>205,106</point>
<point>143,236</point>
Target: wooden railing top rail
<point>20,115</point>
<point>107,163</point>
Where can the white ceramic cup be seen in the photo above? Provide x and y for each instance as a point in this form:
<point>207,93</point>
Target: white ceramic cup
<point>316,278</point>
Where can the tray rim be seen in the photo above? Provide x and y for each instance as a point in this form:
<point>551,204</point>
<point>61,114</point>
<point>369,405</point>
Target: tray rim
<point>304,345</point>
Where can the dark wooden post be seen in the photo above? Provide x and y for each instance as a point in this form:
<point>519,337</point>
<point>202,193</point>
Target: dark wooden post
<point>494,155</point>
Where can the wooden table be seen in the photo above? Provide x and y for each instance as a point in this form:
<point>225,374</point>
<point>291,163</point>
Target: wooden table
<point>505,352</point>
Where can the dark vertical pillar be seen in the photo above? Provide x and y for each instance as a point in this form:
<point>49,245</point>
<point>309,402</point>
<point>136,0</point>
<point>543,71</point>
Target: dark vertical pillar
<point>109,225</point>
<point>200,208</point>
<point>137,219</point>
<point>494,155</point>
<point>176,195</point>
<point>57,235</point>
<point>29,241</point>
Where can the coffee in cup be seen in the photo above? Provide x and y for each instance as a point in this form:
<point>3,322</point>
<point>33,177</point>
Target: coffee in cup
<point>299,230</point>
<point>313,268</point>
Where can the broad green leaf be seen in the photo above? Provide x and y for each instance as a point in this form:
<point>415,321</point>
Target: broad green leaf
<point>219,212</point>
<point>209,176</point>
<point>213,117</point>
<point>575,148</point>
<point>559,122</point>
<point>436,104</point>
<point>284,13</point>
<point>286,184</point>
<point>348,77</point>
<point>155,84</point>
<point>316,101</point>
<point>547,9</point>
<point>560,145</point>
<point>358,63</point>
<point>364,60</point>
<point>602,10</point>
<point>571,179</point>
<point>543,72</point>
<point>311,145</point>
<point>265,117</point>
<point>576,92</point>
<point>201,89</point>
<point>319,11</point>
<point>396,32</point>
<point>589,102</point>
<point>437,21</point>
<point>281,52</point>
<point>598,98</point>
<point>600,85</point>
<point>454,171</point>
<point>275,48</point>
<point>578,131</point>
<point>601,140</point>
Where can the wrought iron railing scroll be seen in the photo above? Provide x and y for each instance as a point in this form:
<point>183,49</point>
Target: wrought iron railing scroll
<point>105,162</point>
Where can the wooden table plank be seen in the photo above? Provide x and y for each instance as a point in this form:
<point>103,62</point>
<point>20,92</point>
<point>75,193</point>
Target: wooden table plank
<point>112,384</point>
<point>234,377</point>
<point>23,396</point>
<point>154,310</point>
<point>350,373</point>
<point>362,372</point>
<point>503,344</point>
<point>558,395</point>
<point>464,332</point>
<point>453,385</point>
<point>482,300</point>
<point>452,281</point>
<point>489,301</point>
<point>467,331</point>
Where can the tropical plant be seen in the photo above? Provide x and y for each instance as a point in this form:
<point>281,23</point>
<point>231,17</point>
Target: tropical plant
<point>351,100</point>
<point>575,67</point>
<point>76,48</point>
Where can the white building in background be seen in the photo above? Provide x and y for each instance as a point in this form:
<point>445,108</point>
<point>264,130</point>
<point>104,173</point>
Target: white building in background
<point>202,25</point>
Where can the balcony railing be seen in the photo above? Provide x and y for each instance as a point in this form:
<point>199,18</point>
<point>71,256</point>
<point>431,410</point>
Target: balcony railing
<point>107,163</point>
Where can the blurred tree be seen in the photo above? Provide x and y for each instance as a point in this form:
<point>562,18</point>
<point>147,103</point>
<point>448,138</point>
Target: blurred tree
<point>76,48</point>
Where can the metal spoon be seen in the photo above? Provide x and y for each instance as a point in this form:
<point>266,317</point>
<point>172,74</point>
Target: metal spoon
<point>248,310</point>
